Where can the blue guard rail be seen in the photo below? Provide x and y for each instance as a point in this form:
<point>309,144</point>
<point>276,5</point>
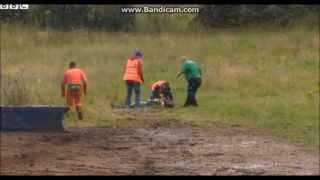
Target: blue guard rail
<point>32,118</point>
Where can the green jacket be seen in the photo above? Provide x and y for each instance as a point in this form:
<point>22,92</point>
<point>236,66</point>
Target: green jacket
<point>191,69</point>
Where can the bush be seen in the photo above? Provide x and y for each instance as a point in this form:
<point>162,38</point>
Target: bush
<point>243,15</point>
<point>68,17</point>
<point>109,17</point>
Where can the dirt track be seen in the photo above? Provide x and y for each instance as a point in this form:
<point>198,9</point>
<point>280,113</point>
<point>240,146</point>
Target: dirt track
<point>158,150</point>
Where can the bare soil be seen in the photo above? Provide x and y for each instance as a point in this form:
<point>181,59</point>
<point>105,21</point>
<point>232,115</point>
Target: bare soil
<point>161,149</point>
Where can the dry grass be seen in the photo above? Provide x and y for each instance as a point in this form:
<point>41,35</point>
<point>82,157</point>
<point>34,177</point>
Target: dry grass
<point>255,78</point>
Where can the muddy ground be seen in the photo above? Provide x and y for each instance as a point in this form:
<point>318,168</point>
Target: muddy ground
<point>161,149</point>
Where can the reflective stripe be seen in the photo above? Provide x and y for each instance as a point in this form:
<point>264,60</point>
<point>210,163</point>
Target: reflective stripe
<point>74,87</point>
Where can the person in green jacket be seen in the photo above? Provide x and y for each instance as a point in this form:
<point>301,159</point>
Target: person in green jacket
<point>192,72</point>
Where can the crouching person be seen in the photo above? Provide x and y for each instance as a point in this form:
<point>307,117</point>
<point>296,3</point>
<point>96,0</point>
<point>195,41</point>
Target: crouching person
<point>161,93</point>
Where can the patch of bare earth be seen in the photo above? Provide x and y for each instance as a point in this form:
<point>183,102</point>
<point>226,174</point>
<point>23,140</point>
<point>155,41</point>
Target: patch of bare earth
<point>161,149</point>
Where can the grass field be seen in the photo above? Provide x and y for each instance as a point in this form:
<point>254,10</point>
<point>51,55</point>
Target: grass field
<point>264,79</point>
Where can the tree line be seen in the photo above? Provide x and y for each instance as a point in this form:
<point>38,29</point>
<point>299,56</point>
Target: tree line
<point>109,17</point>
<point>242,15</point>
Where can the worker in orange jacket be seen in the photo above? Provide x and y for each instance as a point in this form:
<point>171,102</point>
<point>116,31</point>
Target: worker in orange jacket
<point>76,82</point>
<point>133,76</point>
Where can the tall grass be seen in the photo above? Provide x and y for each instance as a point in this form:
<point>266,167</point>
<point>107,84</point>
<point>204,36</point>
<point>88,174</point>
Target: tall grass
<point>15,91</point>
<point>266,79</point>
<point>163,23</point>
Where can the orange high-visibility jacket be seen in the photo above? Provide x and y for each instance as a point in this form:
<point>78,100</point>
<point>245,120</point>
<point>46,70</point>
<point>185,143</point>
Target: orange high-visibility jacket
<point>133,70</point>
<point>159,83</point>
<point>74,76</point>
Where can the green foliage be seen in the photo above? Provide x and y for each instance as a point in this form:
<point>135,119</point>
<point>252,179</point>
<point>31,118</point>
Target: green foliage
<point>72,17</point>
<point>110,18</point>
<point>244,15</point>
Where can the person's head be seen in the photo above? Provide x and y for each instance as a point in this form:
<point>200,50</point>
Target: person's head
<point>137,54</point>
<point>157,88</point>
<point>166,84</point>
<point>72,65</point>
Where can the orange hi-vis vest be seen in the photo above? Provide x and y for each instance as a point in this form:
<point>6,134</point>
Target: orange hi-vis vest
<point>74,76</point>
<point>132,71</point>
<point>158,83</point>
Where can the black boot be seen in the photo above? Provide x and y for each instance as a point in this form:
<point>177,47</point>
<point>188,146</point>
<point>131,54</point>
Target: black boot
<point>186,105</point>
<point>80,115</point>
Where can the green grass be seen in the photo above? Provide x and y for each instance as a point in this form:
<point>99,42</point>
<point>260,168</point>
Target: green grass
<point>265,79</point>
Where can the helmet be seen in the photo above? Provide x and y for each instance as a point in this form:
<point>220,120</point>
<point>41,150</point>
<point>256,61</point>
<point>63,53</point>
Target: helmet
<point>138,54</point>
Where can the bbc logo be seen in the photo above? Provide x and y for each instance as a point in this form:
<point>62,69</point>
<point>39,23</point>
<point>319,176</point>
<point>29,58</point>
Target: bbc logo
<point>14,6</point>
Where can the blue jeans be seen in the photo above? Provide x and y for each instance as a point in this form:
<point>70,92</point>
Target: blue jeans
<point>133,85</point>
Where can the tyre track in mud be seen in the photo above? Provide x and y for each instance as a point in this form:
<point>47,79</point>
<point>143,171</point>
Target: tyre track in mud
<point>161,149</point>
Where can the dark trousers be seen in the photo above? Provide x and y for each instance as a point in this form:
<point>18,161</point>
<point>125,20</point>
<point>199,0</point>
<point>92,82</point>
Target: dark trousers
<point>166,93</point>
<point>133,85</point>
<point>155,94</point>
<point>193,85</point>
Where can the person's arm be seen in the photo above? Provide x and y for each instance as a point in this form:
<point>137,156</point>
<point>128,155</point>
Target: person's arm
<point>140,70</point>
<point>178,75</point>
<point>85,87</point>
<point>182,71</point>
<point>85,83</point>
<point>63,83</point>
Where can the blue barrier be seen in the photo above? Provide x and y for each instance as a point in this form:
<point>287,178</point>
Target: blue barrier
<point>32,118</point>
